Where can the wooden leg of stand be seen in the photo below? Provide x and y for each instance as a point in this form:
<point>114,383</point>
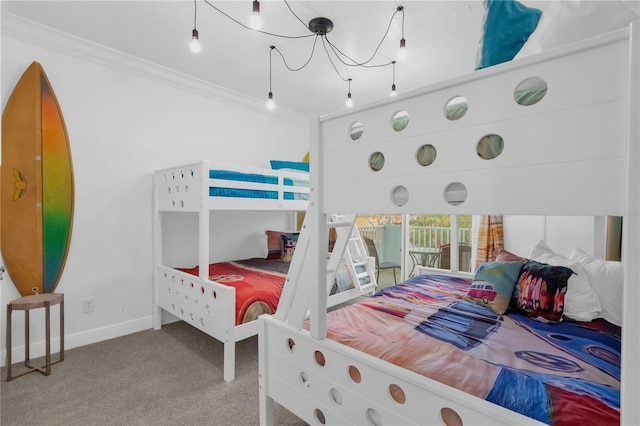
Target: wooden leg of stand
<point>62,330</point>
<point>47,313</point>
<point>8,345</point>
<point>26,338</point>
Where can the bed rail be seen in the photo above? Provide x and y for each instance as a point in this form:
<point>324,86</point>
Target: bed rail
<point>183,188</point>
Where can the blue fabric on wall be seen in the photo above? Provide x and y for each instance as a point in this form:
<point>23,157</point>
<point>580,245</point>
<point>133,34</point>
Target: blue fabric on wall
<point>507,26</point>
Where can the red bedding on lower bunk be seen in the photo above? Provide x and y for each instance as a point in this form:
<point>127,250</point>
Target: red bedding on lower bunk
<point>565,373</point>
<point>258,284</point>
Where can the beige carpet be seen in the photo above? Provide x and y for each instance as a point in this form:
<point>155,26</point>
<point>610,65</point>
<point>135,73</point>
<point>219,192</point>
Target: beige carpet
<point>168,377</point>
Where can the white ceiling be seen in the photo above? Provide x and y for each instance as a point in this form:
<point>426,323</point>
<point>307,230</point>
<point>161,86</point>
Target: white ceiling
<point>442,39</point>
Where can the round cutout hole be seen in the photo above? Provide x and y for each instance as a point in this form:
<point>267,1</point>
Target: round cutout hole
<point>319,357</point>
<point>376,161</point>
<point>400,121</point>
<point>490,146</point>
<point>304,378</point>
<point>291,344</point>
<point>455,193</point>
<point>450,417</point>
<point>530,91</point>
<point>399,195</point>
<point>373,417</point>
<point>319,415</point>
<point>354,374</point>
<point>335,396</point>
<point>426,155</point>
<point>397,394</point>
<point>456,108</point>
<point>355,130</point>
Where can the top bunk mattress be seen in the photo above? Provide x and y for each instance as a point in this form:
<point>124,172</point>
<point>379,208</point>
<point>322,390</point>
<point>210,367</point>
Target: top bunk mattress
<point>234,176</point>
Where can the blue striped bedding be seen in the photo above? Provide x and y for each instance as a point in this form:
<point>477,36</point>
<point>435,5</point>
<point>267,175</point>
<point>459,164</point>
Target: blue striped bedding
<point>256,193</point>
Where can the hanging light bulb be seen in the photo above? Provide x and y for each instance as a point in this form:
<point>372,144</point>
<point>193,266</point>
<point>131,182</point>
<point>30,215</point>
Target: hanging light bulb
<point>195,43</point>
<point>349,102</point>
<point>402,53</point>
<point>270,102</point>
<point>393,82</point>
<point>255,21</point>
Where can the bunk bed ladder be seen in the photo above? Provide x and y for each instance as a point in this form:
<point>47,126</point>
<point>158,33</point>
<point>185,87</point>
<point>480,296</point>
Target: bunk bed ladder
<point>349,242</point>
<point>294,300</point>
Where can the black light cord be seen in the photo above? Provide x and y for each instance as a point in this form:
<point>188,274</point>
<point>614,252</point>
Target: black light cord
<point>294,14</point>
<point>364,64</point>
<point>271,48</point>
<point>303,65</point>
<point>331,60</point>
<point>195,13</point>
<point>340,56</point>
<point>394,71</point>
<point>251,29</point>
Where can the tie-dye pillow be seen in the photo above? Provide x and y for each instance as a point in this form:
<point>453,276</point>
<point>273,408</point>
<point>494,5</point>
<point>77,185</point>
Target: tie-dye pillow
<point>540,290</point>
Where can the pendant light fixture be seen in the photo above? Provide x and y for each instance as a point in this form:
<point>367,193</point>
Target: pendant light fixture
<point>393,82</point>
<point>318,27</point>
<point>255,21</point>
<point>195,43</point>
<point>270,102</point>
<point>349,102</point>
<point>402,53</point>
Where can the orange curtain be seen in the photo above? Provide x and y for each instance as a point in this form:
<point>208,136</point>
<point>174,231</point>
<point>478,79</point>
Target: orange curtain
<point>490,238</point>
<point>614,238</point>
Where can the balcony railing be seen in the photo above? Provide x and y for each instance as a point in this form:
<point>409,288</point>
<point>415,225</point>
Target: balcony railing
<point>434,237</point>
<point>420,236</point>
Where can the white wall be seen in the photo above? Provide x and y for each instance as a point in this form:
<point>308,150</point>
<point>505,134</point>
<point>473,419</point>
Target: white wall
<point>561,233</point>
<point>126,118</point>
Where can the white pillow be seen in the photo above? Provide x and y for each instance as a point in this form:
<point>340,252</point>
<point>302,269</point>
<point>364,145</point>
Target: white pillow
<point>567,21</point>
<point>581,302</point>
<point>607,279</point>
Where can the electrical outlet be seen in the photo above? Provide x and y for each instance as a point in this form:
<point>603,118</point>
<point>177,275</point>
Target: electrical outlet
<point>88,304</point>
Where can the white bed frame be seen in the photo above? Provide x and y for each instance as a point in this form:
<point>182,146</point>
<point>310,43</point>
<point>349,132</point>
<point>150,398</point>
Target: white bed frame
<point>205,304</point>
<point>577,152</point>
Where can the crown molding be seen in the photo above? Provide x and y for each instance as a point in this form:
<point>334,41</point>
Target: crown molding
<point>24,30</point>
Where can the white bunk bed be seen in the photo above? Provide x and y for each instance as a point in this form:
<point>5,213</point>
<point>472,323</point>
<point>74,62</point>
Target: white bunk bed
<point>576,153</point>
<point>205,186</point>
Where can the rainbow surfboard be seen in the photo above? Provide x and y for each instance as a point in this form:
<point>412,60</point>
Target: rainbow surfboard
<point>37,185</point>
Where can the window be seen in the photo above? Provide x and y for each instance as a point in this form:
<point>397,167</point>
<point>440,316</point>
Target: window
<point>428,240</point>
<point>432,236</point>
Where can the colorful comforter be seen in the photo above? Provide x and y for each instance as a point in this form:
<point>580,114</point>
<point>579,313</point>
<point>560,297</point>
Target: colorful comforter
<point>258,283</point>
<point>560,374</point>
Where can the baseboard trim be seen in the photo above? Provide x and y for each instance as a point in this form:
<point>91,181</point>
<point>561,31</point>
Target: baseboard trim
<point>88,337</point>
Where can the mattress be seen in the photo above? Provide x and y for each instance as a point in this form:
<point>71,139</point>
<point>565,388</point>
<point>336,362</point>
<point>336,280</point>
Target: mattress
<point>557,373</point>
<point>267,193</point>
<point>258,283</point>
